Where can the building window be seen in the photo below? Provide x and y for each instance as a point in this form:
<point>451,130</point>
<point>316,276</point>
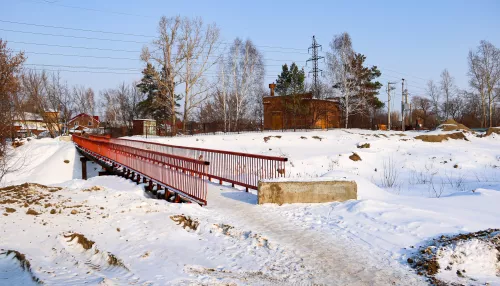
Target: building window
<point>90,123</point>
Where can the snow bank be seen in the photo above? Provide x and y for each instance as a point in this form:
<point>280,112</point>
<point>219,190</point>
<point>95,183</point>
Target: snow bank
<point>473,259</point>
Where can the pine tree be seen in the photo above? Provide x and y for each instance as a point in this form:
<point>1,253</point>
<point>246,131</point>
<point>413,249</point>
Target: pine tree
<point>156,104</point>
<point>149,87</point>
<point>290,81</point>
<point>365,88</point>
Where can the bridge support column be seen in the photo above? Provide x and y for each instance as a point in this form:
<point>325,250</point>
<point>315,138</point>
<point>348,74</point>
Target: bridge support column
<point>84,167</point>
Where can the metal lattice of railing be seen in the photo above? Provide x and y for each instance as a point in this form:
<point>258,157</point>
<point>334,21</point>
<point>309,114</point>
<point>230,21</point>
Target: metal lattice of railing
<point>238,168</point>
<point>180,174</point>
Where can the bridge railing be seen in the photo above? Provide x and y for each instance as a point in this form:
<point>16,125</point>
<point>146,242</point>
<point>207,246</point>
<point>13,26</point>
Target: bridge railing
<point>238,168</point>
<point>182,175</point>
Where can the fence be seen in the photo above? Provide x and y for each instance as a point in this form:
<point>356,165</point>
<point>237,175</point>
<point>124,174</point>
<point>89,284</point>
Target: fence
<point>181,175</point>
<point>226,166</point>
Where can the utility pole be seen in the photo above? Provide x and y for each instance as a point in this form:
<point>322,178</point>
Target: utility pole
<point>315,70</point>
<point>389,88</point>
<point>403,104</point>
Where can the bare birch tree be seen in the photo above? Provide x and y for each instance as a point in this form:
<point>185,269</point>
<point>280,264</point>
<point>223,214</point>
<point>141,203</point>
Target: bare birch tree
<point>84,100</point>
<point>434,95</point>
<point>448,90</point>
<point>246,75</point>
<point>339,64</point>
<point>200,42</point>
<point>484,77</point>
<point>167,56</point>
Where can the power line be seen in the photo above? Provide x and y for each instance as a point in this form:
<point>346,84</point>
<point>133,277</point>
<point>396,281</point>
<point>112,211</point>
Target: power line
<point>75,29</point>
<point>108,68</point>
<point>73,47</point>
<point>89,9</point>
<point>71,36</point>
<point>105,72</point>
<point>112,33</point>
<point>121,58</point>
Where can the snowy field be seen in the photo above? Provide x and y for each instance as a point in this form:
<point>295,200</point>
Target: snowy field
<point>409,192</point>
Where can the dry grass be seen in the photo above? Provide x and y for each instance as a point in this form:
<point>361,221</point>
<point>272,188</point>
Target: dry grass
<point>185,221</point>
<point>441,137</point>
<point>267,138</point>
<point>362,146</point>
<point>93,189</point>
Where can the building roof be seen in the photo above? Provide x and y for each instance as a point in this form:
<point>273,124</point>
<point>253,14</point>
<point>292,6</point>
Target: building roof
<point>28,116</point>
<point>94,117</point>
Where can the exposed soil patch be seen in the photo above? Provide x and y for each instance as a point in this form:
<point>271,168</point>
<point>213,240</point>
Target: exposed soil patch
<point>185,221</point>
<point>10,210</point>
<point>442,137</point>
<point>253,238</point>
<point>32,212</point>
<point>318,138</point>
<point>93,189</point>
<point>355,157</point>
<point>24,263</point>
<point>88,244</point>
<point>492,130</point>
<point>16,144</point>
<point>452,125</point>
<point>362,146</point>
<point>425,259</point>
<point>267,138</point>
<point>81,239</point>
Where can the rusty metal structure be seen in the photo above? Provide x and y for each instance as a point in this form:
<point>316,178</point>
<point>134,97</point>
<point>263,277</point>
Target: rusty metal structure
<point>237,168</point>
<point>184,177</point>
<point>179,169</point>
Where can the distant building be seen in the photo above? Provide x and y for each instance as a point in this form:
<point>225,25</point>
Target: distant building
<point>144,127</point>
<point>83,122</point>
<point>28,123</point>
<point>299,111</point>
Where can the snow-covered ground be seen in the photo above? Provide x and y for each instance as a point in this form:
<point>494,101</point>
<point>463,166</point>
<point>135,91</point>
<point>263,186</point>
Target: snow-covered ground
<point>409,192</point>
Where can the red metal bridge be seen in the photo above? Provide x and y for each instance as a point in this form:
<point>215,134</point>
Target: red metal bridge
<point>182,172</point>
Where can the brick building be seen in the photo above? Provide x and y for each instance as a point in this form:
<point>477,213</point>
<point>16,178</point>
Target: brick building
<point>299,111</point>
<point>83,122</point>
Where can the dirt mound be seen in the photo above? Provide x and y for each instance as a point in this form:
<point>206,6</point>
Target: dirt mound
<point>355,157</point>
<point>442,137</point>
<point>452,125</point>
<point>492,130</point>
<point>81,239</point>
<point>24,263</point>
<point>426,259</point>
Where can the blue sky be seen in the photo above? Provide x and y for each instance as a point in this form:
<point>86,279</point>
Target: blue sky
<point>411,39</point>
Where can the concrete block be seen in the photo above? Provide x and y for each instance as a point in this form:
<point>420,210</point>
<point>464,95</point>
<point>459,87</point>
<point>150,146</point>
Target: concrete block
<point>320,190</point>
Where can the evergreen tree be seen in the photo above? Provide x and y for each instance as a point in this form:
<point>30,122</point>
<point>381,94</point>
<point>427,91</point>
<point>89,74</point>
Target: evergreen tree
<point>362,79</point>
<point>290,81</point>
<point>156,104</point>
<point>149,87</point>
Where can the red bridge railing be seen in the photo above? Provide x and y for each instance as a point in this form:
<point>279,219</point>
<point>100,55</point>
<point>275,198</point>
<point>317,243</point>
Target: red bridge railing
<point>180,174</point>
<point>234,167</point>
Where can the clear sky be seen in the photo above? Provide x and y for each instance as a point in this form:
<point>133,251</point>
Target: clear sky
<point>411,39</point>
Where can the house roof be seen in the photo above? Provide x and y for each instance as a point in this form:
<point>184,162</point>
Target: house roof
<point>28,116</point>
<point>94,117</point>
